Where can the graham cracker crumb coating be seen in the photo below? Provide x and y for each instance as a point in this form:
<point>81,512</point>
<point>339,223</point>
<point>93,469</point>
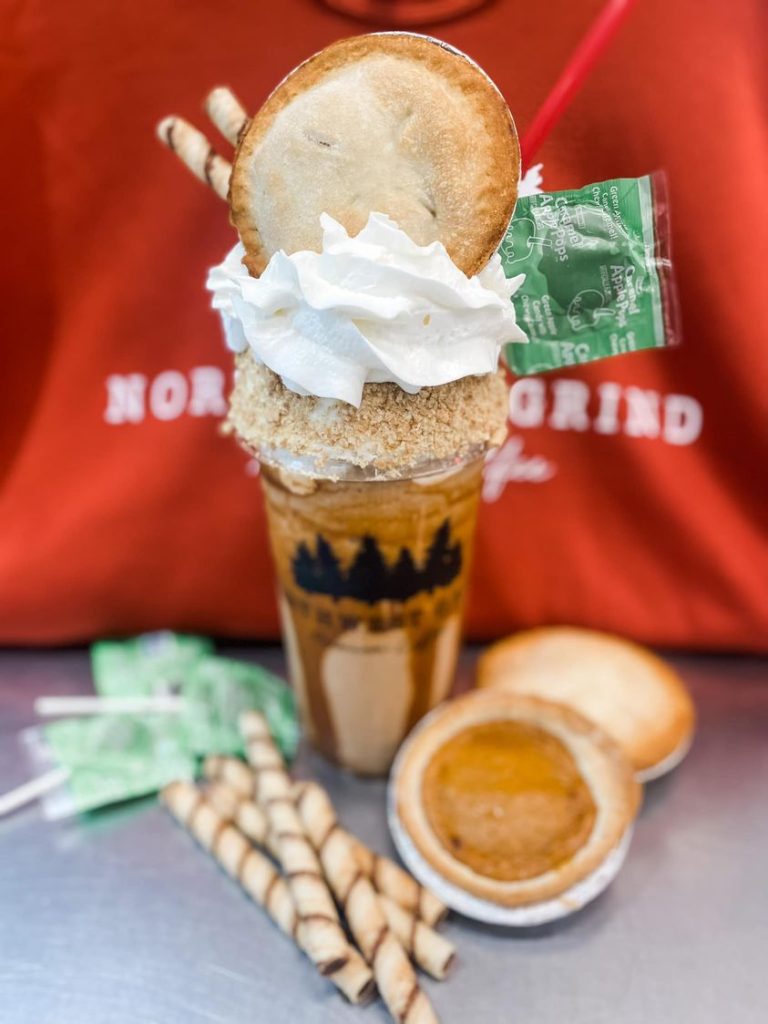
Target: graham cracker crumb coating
<point>391,430</point>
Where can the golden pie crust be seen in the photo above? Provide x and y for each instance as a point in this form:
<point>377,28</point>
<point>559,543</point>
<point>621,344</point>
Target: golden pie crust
<point>633,695</point>
<point>598,761</point>
<point>391,122</point>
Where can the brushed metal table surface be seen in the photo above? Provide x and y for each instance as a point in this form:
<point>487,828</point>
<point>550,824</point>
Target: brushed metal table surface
<point>122,920</point>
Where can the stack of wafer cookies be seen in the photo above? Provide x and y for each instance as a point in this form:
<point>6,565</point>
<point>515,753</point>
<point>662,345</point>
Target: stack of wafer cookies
<point>281,841</point>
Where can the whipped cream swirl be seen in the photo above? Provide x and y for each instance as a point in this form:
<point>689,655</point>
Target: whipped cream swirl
<point>371,308</point>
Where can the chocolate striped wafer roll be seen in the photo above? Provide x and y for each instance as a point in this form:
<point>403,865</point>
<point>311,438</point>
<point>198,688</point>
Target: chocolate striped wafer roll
<point>196,153</point>
<point>233,773</point>
<point>397,983</point>
<point>319,927</point>
<point>387,876</point>
<point>244,813</point>
<point>216,834</point>
<point>227,113</point>
<point>255,873</point>
<point>426,947</point>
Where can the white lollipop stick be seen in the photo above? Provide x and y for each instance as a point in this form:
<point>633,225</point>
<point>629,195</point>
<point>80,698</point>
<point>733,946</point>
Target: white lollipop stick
<point>32,790</point>
<point>93,705</point>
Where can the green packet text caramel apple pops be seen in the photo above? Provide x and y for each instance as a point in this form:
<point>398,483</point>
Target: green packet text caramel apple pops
<point>598,275</point>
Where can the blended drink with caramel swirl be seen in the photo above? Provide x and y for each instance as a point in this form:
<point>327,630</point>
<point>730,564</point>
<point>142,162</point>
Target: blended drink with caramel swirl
<point>371,489</point>
<point>368,306</point>
<point>371,577</point>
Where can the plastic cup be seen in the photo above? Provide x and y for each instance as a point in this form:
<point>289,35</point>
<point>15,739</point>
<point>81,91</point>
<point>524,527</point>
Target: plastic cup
<point>371,578</point>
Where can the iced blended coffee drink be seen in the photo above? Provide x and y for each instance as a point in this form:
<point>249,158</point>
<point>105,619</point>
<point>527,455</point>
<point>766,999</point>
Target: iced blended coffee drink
<point>371,591</point>
<point>368,307</point>
<point>372,569</point>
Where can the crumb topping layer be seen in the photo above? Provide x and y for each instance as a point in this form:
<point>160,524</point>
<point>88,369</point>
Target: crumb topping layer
<point>392,430</point>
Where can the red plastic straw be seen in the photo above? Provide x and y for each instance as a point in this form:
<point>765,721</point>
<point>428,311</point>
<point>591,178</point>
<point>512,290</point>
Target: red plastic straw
<point>584,57</point>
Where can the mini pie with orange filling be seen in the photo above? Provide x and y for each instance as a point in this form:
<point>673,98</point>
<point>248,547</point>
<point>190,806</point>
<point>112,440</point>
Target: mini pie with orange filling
<point>514,799</point>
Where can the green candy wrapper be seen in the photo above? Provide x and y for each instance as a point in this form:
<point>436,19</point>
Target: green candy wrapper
<point>598,275</point>
<point>216,690</point>
<point>110,758</point>
<point>147,665</point>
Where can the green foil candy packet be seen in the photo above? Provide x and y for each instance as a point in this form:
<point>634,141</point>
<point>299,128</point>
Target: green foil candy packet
<point>113,757</point>
<point>147,665</point>
<point>216,691</point>
<point>598,274</point>
<point>110,758</point>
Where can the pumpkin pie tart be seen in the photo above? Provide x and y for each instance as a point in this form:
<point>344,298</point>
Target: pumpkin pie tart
<point>513,799</point>
<point>634,696</point>
<point>392,122</point>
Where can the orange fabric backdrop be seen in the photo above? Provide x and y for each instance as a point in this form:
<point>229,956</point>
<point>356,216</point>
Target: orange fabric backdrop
<point>122,509</point>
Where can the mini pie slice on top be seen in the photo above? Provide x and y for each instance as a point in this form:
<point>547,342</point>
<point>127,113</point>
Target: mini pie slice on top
<point>394,123</point>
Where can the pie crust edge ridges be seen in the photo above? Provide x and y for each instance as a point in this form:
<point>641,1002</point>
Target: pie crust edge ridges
<point>603,765</point>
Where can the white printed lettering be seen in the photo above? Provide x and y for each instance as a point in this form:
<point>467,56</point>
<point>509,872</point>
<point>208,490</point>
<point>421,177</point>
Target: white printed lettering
<point>642,413</point>
<point>168,395</point>
<point>569,411</point>
<point>683,419</point>
<point>607,420</point>
<point>125,398</point>
<point>526,402</point>
<point>510,464</point>
<point>207,392</point>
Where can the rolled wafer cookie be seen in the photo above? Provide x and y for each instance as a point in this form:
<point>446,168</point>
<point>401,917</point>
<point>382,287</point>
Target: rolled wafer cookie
<point>227,113</point>
<point>426,947</point>
<point>233,773</point>
<point>387,876</point>
<point>397,983</point>
<point>255,874</point>
<point>196,153</point>
<point>246,814</point>
<point>319,925</point>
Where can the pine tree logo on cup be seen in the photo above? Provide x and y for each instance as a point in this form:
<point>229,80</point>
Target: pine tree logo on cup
<point>369,578</point>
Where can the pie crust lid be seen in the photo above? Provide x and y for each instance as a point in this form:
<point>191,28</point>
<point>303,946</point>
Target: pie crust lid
<point>392,122</point>
<point>600,762</point>
<point>632,694</point>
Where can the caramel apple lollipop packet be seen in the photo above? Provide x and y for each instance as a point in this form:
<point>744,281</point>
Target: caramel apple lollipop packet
<point>213,691</point>
<point>164,701</point>
<point>217,691</point>
<point>106,759</point>
<point>148,665</point>
<point>598,273</point>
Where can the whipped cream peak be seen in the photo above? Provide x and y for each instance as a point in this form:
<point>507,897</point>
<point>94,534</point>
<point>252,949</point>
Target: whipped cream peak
<point>370,308</point>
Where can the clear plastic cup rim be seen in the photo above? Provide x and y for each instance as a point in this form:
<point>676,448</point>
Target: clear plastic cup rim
<point>339,470</point>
